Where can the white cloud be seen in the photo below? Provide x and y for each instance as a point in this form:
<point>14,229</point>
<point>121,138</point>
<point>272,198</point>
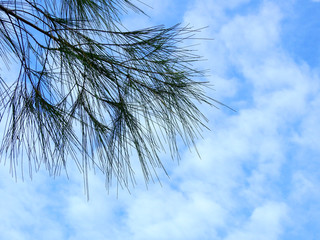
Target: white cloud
<point>167,214</point>
<point>265,223</point>
<point>253,35</point>
<point>304,187</point>
<point>28,208</point>
<point>235,190</point>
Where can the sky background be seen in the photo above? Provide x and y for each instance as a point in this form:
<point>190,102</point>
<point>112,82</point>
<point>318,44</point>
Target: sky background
<point>259,173</point>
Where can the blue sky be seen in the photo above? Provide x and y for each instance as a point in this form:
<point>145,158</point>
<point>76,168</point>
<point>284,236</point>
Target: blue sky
<point>259,173</point>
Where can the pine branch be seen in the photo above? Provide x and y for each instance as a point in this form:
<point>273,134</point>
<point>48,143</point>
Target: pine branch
<point>90,91</point>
